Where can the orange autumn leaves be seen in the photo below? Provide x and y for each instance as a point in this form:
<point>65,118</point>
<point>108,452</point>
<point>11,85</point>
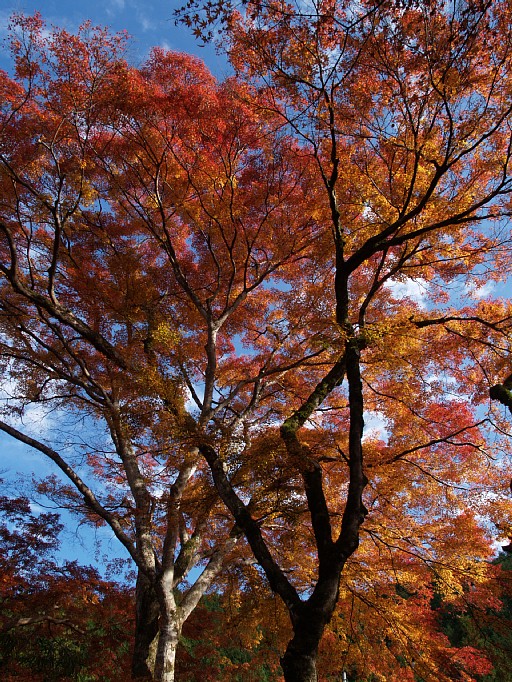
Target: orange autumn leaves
<point>170,242</point>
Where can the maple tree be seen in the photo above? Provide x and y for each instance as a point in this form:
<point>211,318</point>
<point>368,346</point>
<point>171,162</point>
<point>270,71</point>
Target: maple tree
<point>381,630</point>
<point>404,107</point>
<point>69,308</point>
<point>115,181</point>
<point>222,273</point>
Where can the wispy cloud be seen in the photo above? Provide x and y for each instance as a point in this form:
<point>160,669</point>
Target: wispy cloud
<point>414,289</point>
<point>375,425</point>
<point>146,24</point>
<point>113,7</point>
<point>479,292</point>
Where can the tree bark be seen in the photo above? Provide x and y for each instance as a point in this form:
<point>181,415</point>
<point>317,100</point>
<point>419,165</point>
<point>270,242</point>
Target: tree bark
<point>169,635</point>
<point>309,621</point>
<point>147,610</point>
<point>299,660</point>
<point>299,667</point>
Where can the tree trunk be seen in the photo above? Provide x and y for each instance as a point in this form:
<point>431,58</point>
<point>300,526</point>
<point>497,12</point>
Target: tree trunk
<point>147,610</point>
<point>299,667</point>
<point>166,653</point>
<point>299,660</point>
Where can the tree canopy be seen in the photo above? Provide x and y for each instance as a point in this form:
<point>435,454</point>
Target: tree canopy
<point>225,280</point>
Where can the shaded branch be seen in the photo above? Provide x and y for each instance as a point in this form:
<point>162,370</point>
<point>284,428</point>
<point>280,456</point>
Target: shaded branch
<point>279,583</point>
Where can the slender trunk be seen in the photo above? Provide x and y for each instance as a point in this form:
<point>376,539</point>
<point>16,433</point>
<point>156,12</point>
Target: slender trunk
<point>169,635</point>
<point>171,621</point>
<point>147,610</point>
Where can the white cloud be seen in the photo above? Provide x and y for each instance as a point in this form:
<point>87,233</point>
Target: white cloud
<point>115,6</point>
<point>146,24</point>
<point>375,425</point>
<point>444,378</point>
<point>36,420</point>
<point>414,289</point>
<point>479,292</point>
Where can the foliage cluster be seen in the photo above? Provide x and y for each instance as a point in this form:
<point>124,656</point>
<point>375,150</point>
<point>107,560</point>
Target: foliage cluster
<point>220,282</point>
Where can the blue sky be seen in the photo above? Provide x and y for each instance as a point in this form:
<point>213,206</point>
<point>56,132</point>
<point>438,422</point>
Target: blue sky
<point>149,23</point>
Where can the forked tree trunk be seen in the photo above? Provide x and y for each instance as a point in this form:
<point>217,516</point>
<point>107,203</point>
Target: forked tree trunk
<point>147,610</point>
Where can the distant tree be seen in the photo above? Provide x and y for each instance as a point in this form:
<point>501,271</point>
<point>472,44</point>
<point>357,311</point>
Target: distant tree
<point>58,620</point>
